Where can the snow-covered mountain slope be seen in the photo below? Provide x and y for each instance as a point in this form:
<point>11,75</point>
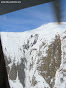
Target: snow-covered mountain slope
<point>36,58</point>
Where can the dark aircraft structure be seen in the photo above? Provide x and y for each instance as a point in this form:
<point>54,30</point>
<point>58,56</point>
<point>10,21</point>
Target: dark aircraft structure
<point>6,7</point>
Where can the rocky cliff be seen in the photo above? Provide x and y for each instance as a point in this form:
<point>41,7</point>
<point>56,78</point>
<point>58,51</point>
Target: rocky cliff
<point>33,58</point>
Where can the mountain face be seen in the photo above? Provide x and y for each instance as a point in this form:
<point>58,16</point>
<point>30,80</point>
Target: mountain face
<point>36,58</point>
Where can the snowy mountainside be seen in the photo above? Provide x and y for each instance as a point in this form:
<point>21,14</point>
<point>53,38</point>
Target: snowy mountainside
<point>34,57</point>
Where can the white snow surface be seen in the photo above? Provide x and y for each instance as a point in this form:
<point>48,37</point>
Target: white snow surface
<point>13,41</point>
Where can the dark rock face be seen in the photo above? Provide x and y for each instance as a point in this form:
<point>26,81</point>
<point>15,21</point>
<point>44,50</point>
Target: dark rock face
<point>64,53</point>
<point>19,68</point>
<point>7,62</point>
<point>3,73</point>
<point>13,72</point>
<point>28,44</point>
<point>21,72</point>
<point>51,62</point>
